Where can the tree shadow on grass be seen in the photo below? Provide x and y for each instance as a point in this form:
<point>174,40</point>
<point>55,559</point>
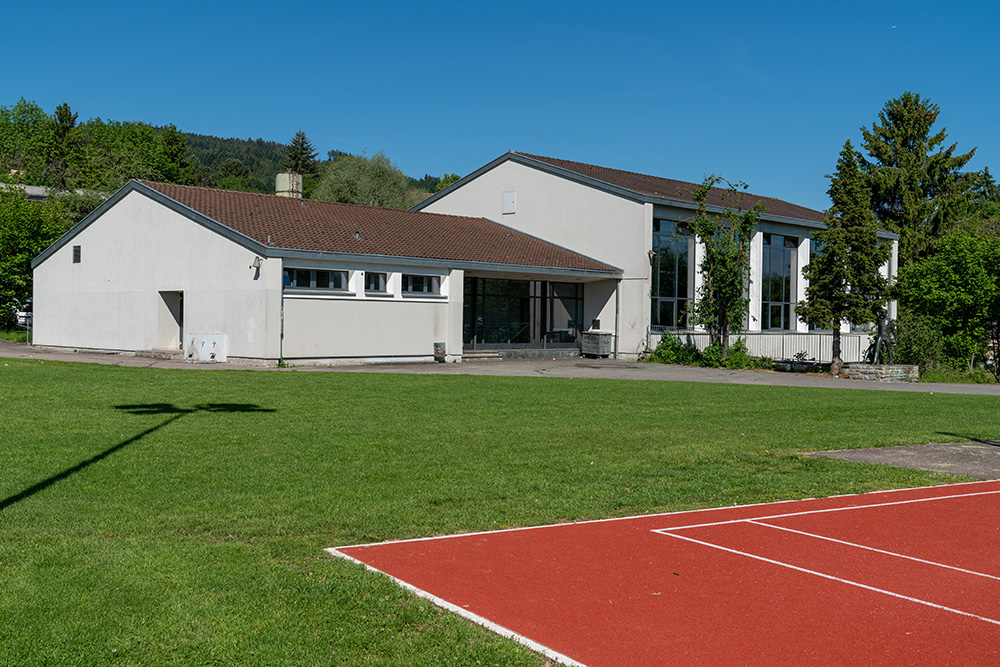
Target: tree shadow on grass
<point>175,413</point>
<point>969,438</point>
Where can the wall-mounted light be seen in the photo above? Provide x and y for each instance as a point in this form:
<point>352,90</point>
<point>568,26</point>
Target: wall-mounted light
<point>256,262</point>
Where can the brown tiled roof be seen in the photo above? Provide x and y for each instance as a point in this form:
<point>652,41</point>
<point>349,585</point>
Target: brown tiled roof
<point>677,190</point>
<point>311,224</point>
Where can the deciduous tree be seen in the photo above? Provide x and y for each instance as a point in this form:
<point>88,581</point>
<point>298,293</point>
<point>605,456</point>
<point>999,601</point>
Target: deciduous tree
<point>722,302</point>
<point>24,135</point>
<point>356,179</point>
<point>445,181</point>
<point>957,289</point>
<point>26,228</point>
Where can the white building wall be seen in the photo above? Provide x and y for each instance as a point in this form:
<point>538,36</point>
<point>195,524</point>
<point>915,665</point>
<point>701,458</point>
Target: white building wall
<point>133,252</point>
<point>603,226</point>
<point>357,326</point>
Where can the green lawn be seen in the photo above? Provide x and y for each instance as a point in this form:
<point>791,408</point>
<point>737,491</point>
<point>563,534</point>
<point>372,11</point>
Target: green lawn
<point>180,517</point>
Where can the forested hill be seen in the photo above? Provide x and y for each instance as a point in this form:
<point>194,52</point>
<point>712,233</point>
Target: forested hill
<point>252,161</point>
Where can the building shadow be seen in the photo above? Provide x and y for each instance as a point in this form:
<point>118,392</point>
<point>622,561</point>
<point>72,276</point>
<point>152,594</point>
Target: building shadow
<point>969,438</point>
<point>174,413</point>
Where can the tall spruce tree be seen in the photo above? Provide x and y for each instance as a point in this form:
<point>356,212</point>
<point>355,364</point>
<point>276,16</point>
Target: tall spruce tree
<point>62,146</point>
<point>845,279</point>
<point>916,184</point>
<point>300,156</point>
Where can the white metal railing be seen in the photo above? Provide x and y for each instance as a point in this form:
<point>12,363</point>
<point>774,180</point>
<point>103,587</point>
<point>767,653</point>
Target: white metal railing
<point>783,345</point>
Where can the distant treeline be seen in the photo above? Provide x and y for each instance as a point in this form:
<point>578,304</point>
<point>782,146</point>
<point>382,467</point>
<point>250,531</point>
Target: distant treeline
<point>56,150</point>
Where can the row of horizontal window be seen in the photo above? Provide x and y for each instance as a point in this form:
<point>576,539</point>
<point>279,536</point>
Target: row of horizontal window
<point>375,282</point>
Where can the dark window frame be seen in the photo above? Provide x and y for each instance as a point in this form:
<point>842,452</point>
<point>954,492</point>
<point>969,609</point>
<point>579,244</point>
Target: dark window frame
<point>672,286</point>
<point>419,284</point>
<point>316,280</point>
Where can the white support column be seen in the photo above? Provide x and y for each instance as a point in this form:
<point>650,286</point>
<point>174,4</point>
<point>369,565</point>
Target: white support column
<point>699,257</point>
<point>800,282</point>
<point>892,270</point>
<point>455,285</point>
<point>756,275</point>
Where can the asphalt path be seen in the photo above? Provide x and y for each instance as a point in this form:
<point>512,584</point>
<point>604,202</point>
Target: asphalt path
<point>564,367</point>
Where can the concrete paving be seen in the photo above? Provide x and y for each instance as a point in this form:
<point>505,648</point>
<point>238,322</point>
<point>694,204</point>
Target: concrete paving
<point>567,367</point>
<point>979,460</point>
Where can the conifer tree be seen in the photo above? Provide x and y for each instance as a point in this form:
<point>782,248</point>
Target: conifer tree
<point>916,184</point>
<point>62,146</point>
<point>845,279</point>
<point>301,155</point>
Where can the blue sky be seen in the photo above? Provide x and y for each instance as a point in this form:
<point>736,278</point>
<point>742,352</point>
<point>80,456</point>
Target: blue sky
<point>764,93</point>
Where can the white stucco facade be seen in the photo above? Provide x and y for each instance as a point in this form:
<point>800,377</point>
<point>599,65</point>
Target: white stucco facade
<point>132,260</point>
<point>608,228</point>
<point>150,278</point>
<point>613,224</point>
<point>146,273</point>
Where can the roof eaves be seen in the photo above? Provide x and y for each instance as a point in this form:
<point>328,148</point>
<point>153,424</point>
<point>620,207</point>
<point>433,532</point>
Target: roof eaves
<point>532,268</point>
<point>710,208</point>
<point>438,263</point>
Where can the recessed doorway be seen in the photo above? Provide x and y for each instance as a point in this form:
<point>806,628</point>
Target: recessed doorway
<point>170,321</point>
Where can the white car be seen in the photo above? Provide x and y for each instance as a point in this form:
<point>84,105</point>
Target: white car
<point>23,314</point>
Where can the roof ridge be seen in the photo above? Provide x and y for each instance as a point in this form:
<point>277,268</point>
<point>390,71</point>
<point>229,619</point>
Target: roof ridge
<point>274,196</point>
<point>744,193</point>
<point>597,166</point>
<point>323,226</point>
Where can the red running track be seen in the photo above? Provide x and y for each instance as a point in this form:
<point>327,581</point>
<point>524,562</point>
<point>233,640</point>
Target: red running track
<point>890,578</point>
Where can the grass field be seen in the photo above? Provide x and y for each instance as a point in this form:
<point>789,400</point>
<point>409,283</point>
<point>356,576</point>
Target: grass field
<point>179,517</point>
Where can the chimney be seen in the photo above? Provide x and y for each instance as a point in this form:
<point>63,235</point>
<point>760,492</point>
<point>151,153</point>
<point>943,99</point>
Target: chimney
<point>288,184</point>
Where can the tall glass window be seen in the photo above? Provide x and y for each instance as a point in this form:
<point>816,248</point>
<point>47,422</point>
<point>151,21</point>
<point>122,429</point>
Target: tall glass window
<point>671,281</point>
<point>504,313</point>
<point>777,310</point>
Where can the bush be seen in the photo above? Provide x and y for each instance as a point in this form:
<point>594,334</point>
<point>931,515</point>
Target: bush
<point>671,350</point>
<point>739,358</point>
<point>946,373</point>
<point>712,356</point>
<point>921,342</point>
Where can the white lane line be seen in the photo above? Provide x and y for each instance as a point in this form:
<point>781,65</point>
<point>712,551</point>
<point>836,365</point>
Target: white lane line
<point>833,578</point>
<point>881,551</point>
<point>671,514</point>
<point>468,615</point>
<point>826,510</point>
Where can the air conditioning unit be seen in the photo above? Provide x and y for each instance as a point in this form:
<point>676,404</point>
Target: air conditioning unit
<point>597,343</point>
